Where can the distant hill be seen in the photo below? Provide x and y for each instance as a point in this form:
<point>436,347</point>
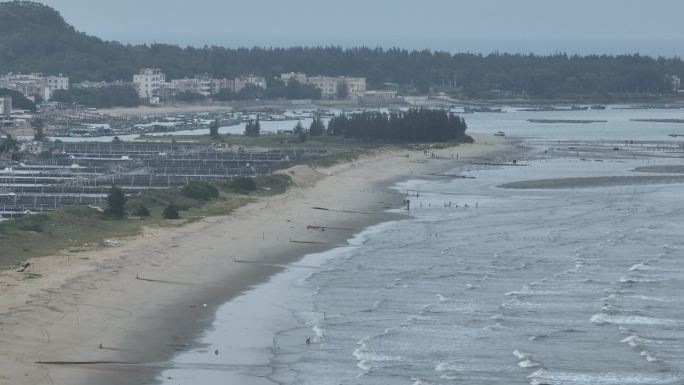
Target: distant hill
<point>35,38</point>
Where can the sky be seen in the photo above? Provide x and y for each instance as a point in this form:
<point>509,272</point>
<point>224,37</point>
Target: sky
<point>650,27</point>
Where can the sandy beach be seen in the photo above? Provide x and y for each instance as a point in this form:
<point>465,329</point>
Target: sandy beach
<point>112,316</point>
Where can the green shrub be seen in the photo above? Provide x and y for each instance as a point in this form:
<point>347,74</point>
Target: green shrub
<point>243,185</point>
<point>30,226</point>
<point>202,191</point>
<point>142,211</point>
<point>171,211</point>
<point>273,184</point>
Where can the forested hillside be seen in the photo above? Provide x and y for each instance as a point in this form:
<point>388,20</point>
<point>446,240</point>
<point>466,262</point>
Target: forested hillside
<point>35,38</point>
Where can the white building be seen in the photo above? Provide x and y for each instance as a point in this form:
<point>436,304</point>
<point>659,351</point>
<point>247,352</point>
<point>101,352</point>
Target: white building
<point>148,82</point>
<point>35,84</point>
<point>675,82</point>
<point>329,85</point>
<point>202,85</point>
<point>57,82</point>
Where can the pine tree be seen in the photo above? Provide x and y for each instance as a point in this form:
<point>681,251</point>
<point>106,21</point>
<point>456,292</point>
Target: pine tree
<point>253,128</point>
<point>317,127</point>
<point>117,202</point>
<point>38,129</point>
<point>300,131</point>
<point>214,128</point>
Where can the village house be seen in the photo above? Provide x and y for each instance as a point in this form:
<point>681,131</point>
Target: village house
<point>329,85</point>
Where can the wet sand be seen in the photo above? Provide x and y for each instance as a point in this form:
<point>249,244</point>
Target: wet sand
<point>115,315</point>
<point>675,169</point>
<point>590,182</point>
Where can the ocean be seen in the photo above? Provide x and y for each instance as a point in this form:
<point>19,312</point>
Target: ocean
<point>571,283</point>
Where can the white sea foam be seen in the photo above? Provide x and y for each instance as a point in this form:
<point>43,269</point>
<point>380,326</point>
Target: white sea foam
<point>528,364</point>
<point>418,381</point>
<point>630,340</point>
<point>639,266</point>
<point>448,377</point>
<point>635,280</point>
<point>650,357</point>
<point>363,365</point>
<point>602,318</point>
<point>319,332</point>
<point>544,376</point>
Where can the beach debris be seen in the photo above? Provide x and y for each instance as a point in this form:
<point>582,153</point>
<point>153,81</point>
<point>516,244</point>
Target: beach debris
<point>309,242</point>
<point>454,176</point>
<point>340,211</point>
<point>99,209</point>
<point>185,345</point>
<point>24,267</point>
<point>111,243</point>
<point>323,228</point>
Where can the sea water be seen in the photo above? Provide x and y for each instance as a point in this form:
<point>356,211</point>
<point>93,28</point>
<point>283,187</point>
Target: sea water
<point>484,285</point>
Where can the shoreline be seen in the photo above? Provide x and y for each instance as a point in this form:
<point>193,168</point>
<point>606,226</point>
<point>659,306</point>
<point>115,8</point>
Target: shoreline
<point>153,296</point>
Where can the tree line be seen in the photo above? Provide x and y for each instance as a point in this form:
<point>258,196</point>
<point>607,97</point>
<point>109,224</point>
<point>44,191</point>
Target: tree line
<point>35,38</point>
<point>414,125</point>
<point>112,96</point>
<point>19,101</point>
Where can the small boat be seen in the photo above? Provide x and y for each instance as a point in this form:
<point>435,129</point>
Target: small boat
<point>499,133</point>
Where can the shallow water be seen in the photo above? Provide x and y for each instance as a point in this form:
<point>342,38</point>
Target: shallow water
<point>577,285</point>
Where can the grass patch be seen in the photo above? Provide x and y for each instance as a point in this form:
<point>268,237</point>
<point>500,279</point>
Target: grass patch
<point>47,233</point>
<point>74,227</point>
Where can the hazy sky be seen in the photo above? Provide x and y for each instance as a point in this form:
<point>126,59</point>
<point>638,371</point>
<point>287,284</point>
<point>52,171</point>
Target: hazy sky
<point>652,27</point>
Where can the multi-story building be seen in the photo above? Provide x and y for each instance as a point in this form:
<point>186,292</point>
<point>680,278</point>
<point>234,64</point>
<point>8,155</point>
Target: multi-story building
<point>223,84</point>
<point>57,82</point>
<point>242,82</point>
<point>356,86</point>
<point>35,85</point>
<point>298,76</point>
<point>148,82</point>
<point>186,85</point>
<point>89,84</point>
<point>202,84</point>
<point>329,85</point>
